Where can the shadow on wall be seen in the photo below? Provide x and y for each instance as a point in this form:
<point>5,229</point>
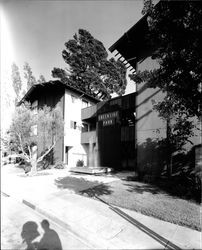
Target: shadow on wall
<point>83,186</point>
<point>185,180</point>
<point>151,160</point>
<point>153,155</point>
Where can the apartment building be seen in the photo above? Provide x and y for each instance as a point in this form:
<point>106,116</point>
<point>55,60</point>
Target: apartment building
<point>101,134</point>
<point>108,134</point>
<point>71,101</point>
<point>135,51</point>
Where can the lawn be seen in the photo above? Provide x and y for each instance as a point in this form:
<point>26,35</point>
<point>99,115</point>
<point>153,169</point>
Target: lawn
<point>144,198</point>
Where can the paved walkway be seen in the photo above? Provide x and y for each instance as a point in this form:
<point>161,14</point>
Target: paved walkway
<point>102,226</point>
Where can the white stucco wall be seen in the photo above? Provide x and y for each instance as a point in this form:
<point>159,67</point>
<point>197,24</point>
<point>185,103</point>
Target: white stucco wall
<point>72,138</point>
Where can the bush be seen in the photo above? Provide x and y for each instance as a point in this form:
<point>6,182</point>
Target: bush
<point>27,167</point>
<point>80,163</point>
<point>60,165</point>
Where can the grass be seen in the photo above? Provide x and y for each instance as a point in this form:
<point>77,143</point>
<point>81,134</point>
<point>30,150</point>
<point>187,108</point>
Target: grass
<point>151,201</point>
<point>140,197</point>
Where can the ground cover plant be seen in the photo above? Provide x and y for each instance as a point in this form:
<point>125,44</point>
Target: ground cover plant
<point>145,198</point>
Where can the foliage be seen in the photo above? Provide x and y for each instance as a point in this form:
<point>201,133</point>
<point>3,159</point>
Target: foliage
<point>80,163</point>
<point>28,129</point>
<point>41,79</point>
<point>185,180</point>
<point>59,165</point>
<point>89,69</point>
<point>175,31</point>
<point>31,80</point>
<point>16,80</point>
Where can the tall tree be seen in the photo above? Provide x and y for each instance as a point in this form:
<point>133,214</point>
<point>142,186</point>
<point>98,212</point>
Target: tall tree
<point>31,80</point>
<point>16,81</point>
<point>175,31</point>
<point>89,68</point>
<point>28,129</point>
<point>41,79</point>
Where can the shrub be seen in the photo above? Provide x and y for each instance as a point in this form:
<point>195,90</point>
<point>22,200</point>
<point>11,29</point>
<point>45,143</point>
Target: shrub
<point>60,165</point>
<point>80,163</point>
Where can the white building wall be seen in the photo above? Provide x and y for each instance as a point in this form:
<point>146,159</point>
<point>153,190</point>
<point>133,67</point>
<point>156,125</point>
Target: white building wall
<point>72,128</point>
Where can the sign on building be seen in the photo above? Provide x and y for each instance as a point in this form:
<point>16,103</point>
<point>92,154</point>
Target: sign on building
<point>108,119</point>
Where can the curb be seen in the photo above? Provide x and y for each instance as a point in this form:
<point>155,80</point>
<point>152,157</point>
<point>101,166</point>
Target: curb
<point>83,237</point>
<point>163,241</point>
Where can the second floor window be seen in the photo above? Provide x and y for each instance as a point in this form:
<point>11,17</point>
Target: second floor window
<point>35,106</point>
<point>84,127</point>
<point>73,125</point>
<point>34,130</point>
<point>84,104</point>
<point>73,98</point>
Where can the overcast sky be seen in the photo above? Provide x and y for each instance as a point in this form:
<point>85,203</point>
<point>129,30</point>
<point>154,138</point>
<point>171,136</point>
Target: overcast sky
<point>36,30</point>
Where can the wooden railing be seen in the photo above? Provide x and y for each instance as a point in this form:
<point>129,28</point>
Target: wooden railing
<point>88,137</point>
<point>88,112</point>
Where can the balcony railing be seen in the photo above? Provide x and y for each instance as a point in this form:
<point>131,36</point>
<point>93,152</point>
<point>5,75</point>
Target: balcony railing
<point>88,137</point>
<point>88,112</point>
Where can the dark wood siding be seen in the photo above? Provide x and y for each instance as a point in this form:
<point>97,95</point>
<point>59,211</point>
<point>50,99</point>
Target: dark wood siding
<point>51,96</point>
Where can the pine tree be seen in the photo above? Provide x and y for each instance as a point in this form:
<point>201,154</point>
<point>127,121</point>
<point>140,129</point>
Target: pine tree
<point>16,81</point>
<point>89,68</point>
<point>41,79</point>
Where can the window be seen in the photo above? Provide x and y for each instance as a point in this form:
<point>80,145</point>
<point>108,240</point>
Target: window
<point>84,127</point>
<point>73,125</point>
<point>73,98</point>
<point>35,106</point>
<point>84,104</point>
<point>34,130</point>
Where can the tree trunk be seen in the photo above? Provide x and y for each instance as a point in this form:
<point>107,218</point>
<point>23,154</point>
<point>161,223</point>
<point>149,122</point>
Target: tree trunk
<point>169,150</point>
<point>33,167</point>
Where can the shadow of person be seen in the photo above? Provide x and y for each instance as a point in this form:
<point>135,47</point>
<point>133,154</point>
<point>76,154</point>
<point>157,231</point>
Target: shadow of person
<point>50,239</point>
<point>29,234</point>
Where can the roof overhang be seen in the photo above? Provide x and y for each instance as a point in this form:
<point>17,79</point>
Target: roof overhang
<point>57,83</point>
<point>134,46</point>
<point>131,46</point>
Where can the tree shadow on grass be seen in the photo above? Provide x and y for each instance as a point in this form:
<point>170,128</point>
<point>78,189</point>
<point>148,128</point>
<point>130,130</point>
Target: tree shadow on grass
<point>169,187</point>
<point>83,186</point>
<point>141,188</point>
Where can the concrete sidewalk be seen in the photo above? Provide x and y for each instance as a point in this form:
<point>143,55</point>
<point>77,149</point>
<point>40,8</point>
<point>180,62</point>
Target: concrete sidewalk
<point>102,226</point>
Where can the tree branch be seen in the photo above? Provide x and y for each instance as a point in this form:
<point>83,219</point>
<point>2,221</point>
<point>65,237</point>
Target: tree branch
<point>48,151</point>
<point>24,153</point>
<point>30,153</point>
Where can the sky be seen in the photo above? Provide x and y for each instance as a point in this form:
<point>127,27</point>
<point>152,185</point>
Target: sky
<point>35,31</point>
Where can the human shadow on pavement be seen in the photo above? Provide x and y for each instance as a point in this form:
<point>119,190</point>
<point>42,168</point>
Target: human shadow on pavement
<point>83,186</point>
<point>29,234</point>
<point>49,241</point>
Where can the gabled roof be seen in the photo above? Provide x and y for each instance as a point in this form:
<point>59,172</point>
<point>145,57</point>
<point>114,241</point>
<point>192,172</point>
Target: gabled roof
<point>56,83</point>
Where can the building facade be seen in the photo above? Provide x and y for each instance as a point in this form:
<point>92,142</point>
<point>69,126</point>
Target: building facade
<point>70,100</point>
<point>109,134</point>
<point>100,134</point>
<point>135,51</point>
